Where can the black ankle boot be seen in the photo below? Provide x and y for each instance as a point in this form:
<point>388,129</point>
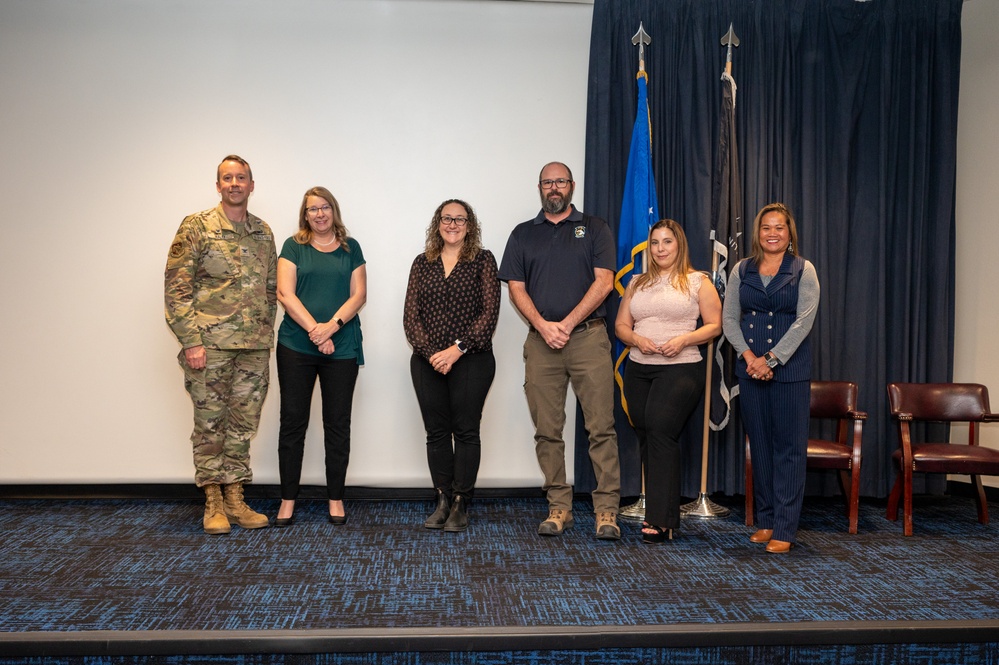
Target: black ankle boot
<point>439,516</point>
<point>458,519</point>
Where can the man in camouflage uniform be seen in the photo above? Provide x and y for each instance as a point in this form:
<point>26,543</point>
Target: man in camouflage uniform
<point>221,298</point>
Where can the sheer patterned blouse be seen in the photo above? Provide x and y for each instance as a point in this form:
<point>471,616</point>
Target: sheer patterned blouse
<point>462,306</point>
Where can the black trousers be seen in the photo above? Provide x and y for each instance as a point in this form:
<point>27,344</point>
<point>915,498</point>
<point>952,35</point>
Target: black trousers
<point>297,374</point>
<point>451,405</point>
<point>660,400</point>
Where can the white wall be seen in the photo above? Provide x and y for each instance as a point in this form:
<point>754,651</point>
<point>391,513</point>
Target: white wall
<point>114,116</point>
<point>976,354</point>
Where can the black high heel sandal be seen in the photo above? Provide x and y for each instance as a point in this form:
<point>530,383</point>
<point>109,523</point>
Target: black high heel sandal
<point>660,535</point>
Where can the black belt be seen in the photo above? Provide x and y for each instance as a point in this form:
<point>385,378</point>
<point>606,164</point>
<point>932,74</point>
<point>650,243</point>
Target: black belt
<point>582,327</point>
<point>586,325</point>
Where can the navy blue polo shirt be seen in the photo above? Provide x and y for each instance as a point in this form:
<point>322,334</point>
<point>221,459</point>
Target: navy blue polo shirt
<point>556,261</point>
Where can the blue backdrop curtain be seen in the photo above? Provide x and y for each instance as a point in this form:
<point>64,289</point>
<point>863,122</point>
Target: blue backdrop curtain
<point>847,112</point>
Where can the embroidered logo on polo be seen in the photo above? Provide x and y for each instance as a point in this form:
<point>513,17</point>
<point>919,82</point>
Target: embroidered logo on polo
<point>579,231</point>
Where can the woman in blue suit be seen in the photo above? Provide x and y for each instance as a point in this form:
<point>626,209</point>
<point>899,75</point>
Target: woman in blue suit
<point>772,299</point>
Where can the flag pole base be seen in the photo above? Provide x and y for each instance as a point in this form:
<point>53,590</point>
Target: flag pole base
<point>703,508</point>
<point>635,512</point>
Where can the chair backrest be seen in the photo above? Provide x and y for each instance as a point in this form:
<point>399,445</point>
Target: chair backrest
<point>940,402</point>
<point>833,399</point>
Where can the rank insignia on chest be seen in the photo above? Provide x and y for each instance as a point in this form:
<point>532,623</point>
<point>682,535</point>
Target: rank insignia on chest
<point>579,231</point>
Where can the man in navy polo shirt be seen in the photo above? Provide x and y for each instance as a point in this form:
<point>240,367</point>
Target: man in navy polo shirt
<point>560,268</point>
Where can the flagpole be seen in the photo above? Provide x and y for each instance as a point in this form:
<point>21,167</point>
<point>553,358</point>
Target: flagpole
<point>636,511</point>
<point>703,507</point>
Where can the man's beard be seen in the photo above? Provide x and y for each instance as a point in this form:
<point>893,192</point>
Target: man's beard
<point>556,205</point>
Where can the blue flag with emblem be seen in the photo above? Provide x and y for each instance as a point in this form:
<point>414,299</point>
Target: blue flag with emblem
<point>639,208</point>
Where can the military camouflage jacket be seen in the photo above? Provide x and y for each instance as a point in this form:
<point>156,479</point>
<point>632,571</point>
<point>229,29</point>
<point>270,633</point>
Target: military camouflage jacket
<point>221,287</point>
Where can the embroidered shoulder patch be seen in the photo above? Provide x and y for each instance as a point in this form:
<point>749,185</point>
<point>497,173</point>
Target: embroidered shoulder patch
<point>176,250</point>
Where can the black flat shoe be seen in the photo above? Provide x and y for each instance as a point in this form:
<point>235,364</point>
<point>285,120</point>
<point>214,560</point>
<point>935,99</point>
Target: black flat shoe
<point>284,521</point>
<point>338,520</point>
<point>660,535</point>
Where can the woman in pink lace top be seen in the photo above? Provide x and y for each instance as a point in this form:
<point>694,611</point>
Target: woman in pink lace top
<point>664,378</point>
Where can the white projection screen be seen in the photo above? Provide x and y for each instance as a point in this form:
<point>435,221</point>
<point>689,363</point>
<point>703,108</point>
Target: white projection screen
<point>115,114</point>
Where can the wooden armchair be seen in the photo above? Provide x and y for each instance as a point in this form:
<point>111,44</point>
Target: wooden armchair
<point>830,400</point>
<point>944,403</point>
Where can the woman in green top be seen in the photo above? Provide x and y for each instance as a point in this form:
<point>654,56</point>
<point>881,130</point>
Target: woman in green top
<point>321,282</point>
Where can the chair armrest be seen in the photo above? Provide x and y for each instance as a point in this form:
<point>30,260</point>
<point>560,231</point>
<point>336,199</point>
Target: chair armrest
<point>991,418</point>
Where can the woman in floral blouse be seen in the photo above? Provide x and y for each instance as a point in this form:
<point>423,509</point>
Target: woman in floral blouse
<point>452,305</point>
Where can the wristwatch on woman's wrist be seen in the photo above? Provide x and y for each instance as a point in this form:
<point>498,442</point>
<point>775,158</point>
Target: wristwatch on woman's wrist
<point>338,322</point>
<point>771,359</point>
<point>461,346</point>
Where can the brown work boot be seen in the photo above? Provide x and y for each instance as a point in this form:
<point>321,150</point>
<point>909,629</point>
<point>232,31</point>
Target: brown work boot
<point>215,519</point>
<point>558,521</point>
<point>607,528</point>
<point>239,512</point>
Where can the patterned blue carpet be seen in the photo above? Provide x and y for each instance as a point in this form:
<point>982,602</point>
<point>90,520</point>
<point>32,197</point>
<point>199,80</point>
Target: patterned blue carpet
<point>141,565</point>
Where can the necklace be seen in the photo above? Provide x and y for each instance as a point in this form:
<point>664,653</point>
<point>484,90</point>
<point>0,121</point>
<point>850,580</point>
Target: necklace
<point>323,244</point>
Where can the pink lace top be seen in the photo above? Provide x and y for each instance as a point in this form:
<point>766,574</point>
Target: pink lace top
<point>661,313</point>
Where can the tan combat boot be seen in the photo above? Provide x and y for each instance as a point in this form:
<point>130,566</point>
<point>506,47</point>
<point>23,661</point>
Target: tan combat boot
<point>239,512</point>
<point>215,519</point>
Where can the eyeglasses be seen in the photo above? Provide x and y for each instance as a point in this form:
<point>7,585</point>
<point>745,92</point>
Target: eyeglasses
<point>458,221</point>
<point>327,209</point>
<point>558,182</point>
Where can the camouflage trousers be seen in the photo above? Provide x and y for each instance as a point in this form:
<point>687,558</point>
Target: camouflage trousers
<point>228,395</point>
